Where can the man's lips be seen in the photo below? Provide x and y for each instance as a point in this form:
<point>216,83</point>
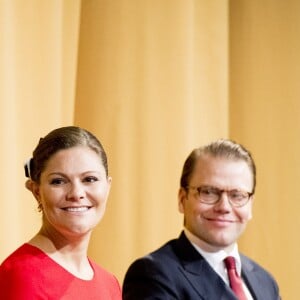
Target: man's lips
<point>220,222</point>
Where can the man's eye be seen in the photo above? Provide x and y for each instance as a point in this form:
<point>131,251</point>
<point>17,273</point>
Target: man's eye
<point>205,191</point>
<point>57,181</point>
<point>91,179</point>
<point>237,195</point>
<point>209,191</point>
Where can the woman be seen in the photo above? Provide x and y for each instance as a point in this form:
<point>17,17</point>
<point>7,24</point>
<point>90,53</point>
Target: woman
<point>68,176</point>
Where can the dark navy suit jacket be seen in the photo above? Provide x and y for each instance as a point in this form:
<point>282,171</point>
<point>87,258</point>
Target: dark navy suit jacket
<point>178,271</point>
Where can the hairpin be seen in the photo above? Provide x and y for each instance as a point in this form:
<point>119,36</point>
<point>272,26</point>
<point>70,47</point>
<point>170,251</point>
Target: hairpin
<point>27,166</point>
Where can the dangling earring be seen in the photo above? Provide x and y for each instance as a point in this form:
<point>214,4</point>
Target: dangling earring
<point>40,207</point>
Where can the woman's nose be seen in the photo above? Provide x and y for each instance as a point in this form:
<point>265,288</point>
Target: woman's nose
<point>76,191</point>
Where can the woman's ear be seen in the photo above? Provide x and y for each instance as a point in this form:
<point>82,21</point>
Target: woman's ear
<point>28,184</point>
<point>34,188</point>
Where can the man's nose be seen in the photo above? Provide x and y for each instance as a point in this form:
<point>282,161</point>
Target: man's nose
<point>223,202</point>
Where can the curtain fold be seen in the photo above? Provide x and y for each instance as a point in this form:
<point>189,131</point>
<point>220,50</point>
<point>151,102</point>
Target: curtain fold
<point>153,85</point>
<point>38,61</point>
<point>153,80</point>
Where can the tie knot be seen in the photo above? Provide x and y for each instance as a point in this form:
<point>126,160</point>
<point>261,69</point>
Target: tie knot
<point>230,263</point>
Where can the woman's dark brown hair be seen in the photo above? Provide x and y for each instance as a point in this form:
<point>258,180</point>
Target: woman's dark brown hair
<point>59,139</point>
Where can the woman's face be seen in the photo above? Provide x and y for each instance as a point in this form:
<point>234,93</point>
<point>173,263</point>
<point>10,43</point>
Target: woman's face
<point>73,191</point>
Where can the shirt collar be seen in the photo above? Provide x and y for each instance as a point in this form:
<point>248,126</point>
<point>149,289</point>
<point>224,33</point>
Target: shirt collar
<point>215,259</point>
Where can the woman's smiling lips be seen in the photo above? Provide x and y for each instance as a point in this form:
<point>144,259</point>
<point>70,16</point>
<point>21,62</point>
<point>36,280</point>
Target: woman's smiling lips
<point>76,209</point>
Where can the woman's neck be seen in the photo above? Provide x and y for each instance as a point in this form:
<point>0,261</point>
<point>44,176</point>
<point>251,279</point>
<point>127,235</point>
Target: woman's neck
<point>70,253</point>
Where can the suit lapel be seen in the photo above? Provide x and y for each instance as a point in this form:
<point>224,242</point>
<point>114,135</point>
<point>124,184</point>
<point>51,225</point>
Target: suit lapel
<point>207,283</point>
<point>251,279</point>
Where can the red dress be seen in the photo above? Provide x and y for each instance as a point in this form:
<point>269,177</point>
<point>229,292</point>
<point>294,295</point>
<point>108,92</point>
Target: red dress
<point>28,273</point>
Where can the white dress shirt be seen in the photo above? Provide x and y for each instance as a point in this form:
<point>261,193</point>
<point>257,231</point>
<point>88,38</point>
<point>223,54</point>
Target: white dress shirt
<point>216,260</point>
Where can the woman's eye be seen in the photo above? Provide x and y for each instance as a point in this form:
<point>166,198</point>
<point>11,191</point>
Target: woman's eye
<point>57,181</point>
<point>90,179</point>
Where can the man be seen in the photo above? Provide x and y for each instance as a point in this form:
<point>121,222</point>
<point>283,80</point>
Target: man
<point>216,195</point>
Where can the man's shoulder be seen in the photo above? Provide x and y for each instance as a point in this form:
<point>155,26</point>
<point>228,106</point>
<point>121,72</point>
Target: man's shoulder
<point>250,265</point>
<point>168,256</point>
<point>163,254</point>
<point>257,277</point>
<point>163,257</point>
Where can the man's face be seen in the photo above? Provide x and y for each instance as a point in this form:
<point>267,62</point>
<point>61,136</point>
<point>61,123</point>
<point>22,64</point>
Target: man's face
<point>219,225</point>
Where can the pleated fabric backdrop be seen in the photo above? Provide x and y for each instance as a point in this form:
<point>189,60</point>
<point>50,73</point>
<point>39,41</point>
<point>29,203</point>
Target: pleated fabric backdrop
<point>153,80</point>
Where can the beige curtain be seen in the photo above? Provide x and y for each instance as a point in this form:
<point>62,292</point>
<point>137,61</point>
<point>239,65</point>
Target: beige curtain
<point>264,114</point>
<point>38,48</point>
<point>154,79</point>
<point>148,76</point>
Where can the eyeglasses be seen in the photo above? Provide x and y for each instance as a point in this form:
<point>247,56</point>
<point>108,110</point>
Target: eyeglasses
<point>211,195</point>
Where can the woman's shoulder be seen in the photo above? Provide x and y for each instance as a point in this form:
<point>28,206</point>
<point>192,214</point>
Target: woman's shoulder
<point>15,268</point>
<point>22,255</point>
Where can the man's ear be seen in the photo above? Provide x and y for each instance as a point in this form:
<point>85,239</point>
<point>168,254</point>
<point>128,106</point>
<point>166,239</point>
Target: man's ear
<point>251,207</point>
<point>182,195</point>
